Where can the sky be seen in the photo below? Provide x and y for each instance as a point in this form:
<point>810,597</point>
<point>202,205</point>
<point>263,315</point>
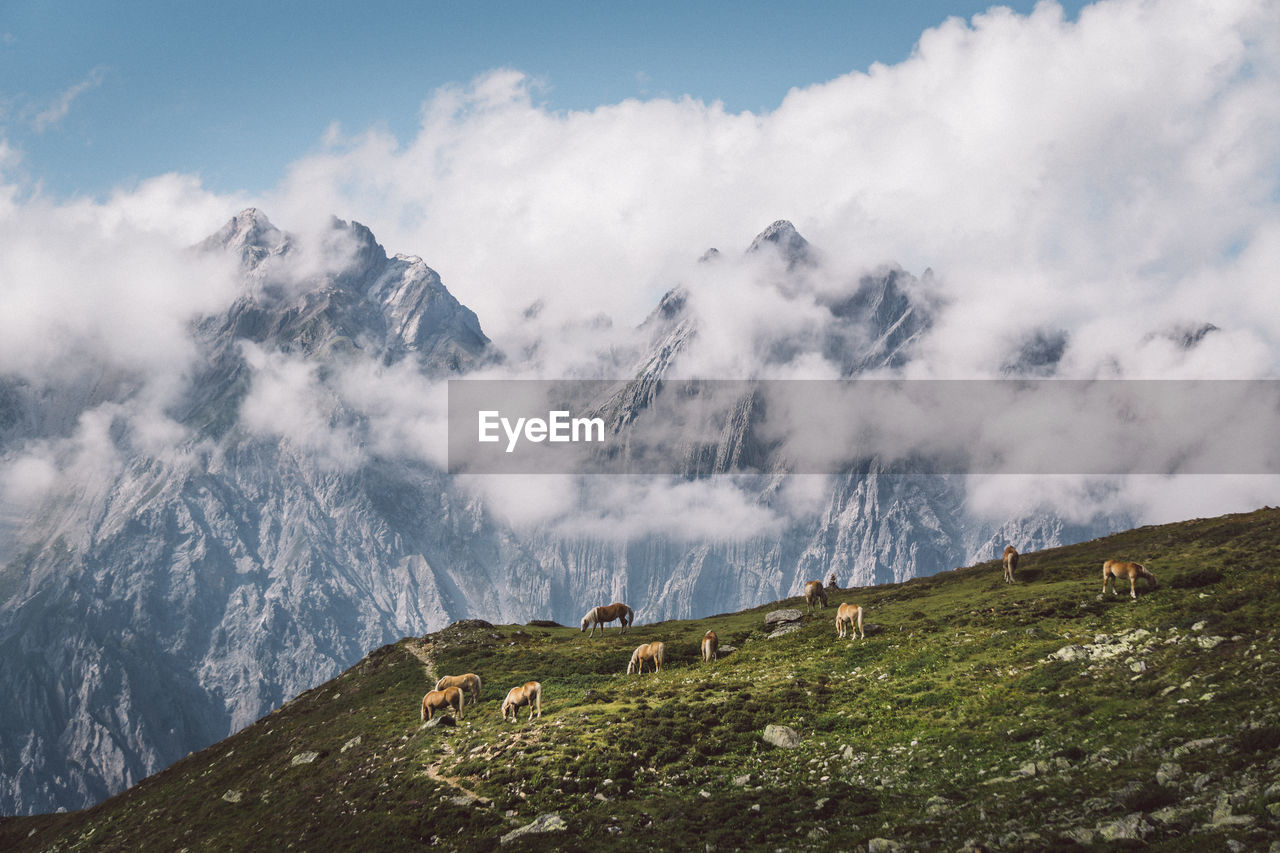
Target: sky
<point>1105,174</point>
<point>99,96</point>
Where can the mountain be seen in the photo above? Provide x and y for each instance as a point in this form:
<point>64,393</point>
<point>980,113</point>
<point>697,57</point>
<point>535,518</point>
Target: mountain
<point>288,509</point>
<point>975,714</point>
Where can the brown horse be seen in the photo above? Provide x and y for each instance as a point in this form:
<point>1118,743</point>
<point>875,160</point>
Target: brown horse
<point>813,592</point>
<point>607,613</point>
<point>652,652</point>
<point>1010,562</point>
<point>710,646</point>
<point>529,693</point>
<point>469,682</point>
<point>1113,570</point>
<point>438,700</point>
<point>847,617</point>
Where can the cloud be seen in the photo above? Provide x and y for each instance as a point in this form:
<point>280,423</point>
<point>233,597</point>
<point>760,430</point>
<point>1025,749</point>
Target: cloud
<point>1116,177</point>
<point>61,106</point>
<point>1094,175</point>
<point>107,287</point>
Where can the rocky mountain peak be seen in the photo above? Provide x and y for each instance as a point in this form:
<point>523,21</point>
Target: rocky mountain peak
<point>783,237</point>
<point>250,234</point>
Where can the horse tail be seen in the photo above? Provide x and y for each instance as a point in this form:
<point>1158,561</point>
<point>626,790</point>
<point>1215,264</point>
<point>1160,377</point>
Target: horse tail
<point>424,709</point>
<point>662,648</point>
<point>864,633</point>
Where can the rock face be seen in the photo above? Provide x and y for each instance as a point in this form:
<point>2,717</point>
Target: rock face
<point>170,597</point>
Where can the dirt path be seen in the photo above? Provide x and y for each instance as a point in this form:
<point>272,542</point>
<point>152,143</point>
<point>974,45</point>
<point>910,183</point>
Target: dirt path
<point>419,651</point>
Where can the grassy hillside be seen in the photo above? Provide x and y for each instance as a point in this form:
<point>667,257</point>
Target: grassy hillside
<point>950,725</point>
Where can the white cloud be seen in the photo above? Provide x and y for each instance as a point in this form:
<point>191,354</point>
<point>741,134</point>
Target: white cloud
<point>61,106</point>
<point>1114,177</point>
<point>1087,174</point>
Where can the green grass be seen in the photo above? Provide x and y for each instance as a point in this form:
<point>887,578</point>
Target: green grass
<point>949,724</point>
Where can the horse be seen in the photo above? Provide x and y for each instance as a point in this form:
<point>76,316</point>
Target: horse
<point>647,652</point>
<point>847,617</point>
<point>529,693</point>
<point>607,613</point>
<point>1010,562</point>
<point>710,646</point>
<point>438,700</point>
<point>469,682</point>
<point>813,592</point>
<point>1122,569</point>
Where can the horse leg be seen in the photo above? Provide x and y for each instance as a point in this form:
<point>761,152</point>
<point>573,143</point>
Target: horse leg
<point>1133,587</point>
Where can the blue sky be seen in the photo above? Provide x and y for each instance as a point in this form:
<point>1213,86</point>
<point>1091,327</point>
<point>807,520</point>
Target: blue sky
<point>96,96</point>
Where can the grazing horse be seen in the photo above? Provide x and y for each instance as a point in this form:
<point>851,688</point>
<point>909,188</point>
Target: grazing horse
<point>1113,570</point>
<point>847,617</point>
<point>1010,562</point>
<point>469,682</point>
<point>607,613</point>
<point>710,646</point>
<point>813,592</point>
<point>647,652</point>
<point>529,693</point>
<point>438,700</point>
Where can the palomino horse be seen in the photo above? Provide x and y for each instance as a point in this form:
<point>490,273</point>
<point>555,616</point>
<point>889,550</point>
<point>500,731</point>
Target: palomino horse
<point>529,693</point>
<point>1121,569</point>
<point>607,613</point>
<point>847,617</point>
<point>710,646</point>
<point>813,593</point>
<point>469,682</point>
<point>438,700</point>
<point>1010,562</point>
<point>648,652</point>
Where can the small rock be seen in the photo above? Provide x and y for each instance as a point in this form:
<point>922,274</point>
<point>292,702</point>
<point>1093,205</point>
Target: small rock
<point>551,822</point>
<point>789,628</point>
<point>1168,772</point>
<point>781,736</point>
<point>1069,654</point>
<point>883,845</point>
<point>1138,666</point>
<point>233,796</point>
<point>304,758</point>
<point>778,617</point>
<point>1193,745</point>
<point>743,780</point>
<point>441,720</point>
<point>352,744</point>
<point>1209,642</point>
<point>1132,827</point>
